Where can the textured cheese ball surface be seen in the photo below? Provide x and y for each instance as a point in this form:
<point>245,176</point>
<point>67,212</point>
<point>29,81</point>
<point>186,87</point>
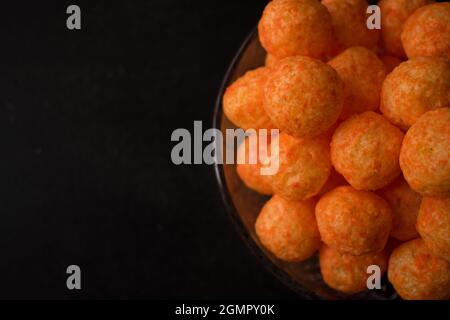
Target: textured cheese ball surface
<point>434,225</point>
<point>348,273</point>
<point>303,96</point>
<point>426,33</point>
<point>271,60</point>
<point>243,101</point>
<point>405,204</point>
<point>363,74</point>
<point>425,154</point>
<point>250,173</point>
<point>418,275</point>
<point>296,27</point>
<point>349,20</point>
<point>365,150</point>
<point>304,167</point>
<point>288,229</point>
<point>415,87</point>
<point>393,17</point>
<point>352,221</point>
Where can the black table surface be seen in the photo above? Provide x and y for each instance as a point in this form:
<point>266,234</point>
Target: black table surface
<point>86,176</point>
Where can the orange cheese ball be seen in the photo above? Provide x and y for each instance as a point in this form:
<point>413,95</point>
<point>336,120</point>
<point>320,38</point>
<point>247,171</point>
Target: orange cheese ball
<point>296,27</point>
<point>349,20</point>
<point>365,150</point>
<point>304,167</point>
<point>405,204</point>
<point>363,74</point>
<point>303,96</point>
<point>243,101</point>
<point>426,33</point>
<point>393,16</point>
<point>250,173</point>
<point>425,154</point>
<point>288,229</point>
<point>271,60</point>
<point>433,225</point>
<point>390,63</point>
<point>352,221</point>
<point>418,275</point>
<point>415,87</point>
<point>348,273</point>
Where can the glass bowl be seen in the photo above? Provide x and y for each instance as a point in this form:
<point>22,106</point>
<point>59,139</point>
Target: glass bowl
<point>243,205</point>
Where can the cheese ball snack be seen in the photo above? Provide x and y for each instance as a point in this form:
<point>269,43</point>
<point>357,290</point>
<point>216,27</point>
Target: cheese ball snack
<point>243,101</point>
<point>425,154</point>
<point>415,87</point>
<point>348,273</point>
<point>288,229</point>
<point>393,17</point>
<point>433,225</point>
<point>405,204</point>
<point>303,96</point>
<point>349,20</point>
<point>418,275</point>
<point>390,63</point>
<point>249,172</point>
<point>426,33</point>
<point>365,150</point>
<point>304,167</point>
<point>296,27</point>
<point>271,60</point>
<point>363,74</point>
<point>352,221</point>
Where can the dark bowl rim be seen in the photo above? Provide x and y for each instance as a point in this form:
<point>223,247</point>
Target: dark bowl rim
<point>226,196</point>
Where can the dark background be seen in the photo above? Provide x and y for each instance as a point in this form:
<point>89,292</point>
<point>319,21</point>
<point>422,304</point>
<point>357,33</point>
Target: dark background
<point>85,173</point>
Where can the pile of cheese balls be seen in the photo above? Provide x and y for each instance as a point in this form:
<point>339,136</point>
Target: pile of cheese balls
<point>364,143</point>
